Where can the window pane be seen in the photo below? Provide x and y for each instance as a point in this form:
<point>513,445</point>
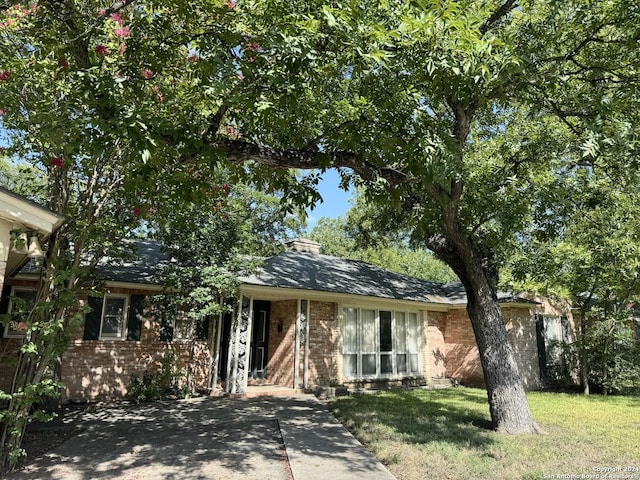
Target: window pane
<point>414,362</point>
<point>369,364</point>
<point>401,332</point>
<point>386,341</point>
<point>113,319</point>
<point>350,365</point>
<point>412,333</point>
<point>401,360</point>
<point>350,333</point>
<point>368,330</point>
<point>386,363</point>
<point>29,296</point>
<point>111,326</point>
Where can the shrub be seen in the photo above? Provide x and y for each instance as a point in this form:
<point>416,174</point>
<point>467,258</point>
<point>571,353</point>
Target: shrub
<point>159,385</point>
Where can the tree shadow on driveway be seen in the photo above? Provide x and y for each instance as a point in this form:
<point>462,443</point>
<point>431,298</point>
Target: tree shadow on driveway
<point>200,438</point>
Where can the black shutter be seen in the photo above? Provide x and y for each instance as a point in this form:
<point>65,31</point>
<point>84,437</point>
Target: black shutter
<point>202,329</point>
<point>93,318</point>
<point>136,315</point>
<point>4,305</point>
<point>542,351</point>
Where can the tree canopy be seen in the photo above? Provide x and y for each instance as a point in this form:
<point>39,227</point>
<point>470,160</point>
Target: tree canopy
<point>455,117</point>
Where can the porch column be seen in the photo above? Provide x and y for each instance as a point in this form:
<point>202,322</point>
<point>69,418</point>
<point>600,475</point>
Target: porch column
<point>239,347</point>
<point>296,348</point>
<point>215,350</point>
<point>305,310</point>
<point>301,344</point>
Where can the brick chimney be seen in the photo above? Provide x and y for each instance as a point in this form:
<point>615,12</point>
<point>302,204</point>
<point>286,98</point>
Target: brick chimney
<point>303,245</point>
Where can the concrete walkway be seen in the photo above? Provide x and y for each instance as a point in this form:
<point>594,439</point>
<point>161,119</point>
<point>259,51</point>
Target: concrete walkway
<point>275,438</point>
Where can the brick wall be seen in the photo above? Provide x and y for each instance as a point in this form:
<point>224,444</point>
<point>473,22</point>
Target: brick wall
<point>435,349</point>
<point>101,370</point>
<point>281,344</point>
<point>322,362</point>
<point>461,358</point>
<point>522,335</point>
<point>323,344</point>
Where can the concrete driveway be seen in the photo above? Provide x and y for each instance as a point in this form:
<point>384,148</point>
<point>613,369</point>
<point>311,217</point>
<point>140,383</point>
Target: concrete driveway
<point>275,438</point>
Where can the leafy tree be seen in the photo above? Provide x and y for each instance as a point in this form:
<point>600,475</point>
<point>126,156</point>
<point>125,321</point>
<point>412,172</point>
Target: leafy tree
<point>71,110</point>
<point>213,243</point>
<point>595,263</point>
<point>451,116</point>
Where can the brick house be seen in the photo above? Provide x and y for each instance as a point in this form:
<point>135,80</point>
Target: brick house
<point>304,320</point>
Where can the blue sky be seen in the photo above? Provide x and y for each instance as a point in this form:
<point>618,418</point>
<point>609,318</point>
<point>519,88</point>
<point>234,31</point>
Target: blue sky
<point>335,200</point>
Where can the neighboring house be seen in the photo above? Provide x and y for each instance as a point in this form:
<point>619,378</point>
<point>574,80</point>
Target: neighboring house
<point>304,320</point>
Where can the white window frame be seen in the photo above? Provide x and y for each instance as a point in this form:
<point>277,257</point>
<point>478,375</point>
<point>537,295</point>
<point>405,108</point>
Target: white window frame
<point>394,340</point>
<point>125,317</point>
<point>8,333</point>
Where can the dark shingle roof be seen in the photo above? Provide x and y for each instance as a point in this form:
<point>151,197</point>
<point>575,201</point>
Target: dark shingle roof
<point>141,267</point>
<point>303,271</point>
<point>309,271</point>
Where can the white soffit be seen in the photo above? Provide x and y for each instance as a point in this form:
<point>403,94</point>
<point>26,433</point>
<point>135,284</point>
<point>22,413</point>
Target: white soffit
<point>19,210</point>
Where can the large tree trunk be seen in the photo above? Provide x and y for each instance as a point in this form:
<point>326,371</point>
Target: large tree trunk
<point>505,391</point>
<point>507,400</point>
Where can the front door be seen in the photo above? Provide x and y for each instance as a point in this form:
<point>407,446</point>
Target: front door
<point>259,340</point>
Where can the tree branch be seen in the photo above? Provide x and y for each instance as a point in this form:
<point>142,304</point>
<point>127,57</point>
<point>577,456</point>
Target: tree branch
<point>306,159</point>
<point>497,16</point>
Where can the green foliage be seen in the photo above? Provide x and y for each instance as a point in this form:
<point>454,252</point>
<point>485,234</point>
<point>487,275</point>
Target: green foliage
<point>164,383</point>
<point>361,235</point>
<point>611,350</point>
<point>335,237</point>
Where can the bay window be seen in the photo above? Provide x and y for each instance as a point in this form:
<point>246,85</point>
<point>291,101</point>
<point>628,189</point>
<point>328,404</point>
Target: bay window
<point>380,343</point>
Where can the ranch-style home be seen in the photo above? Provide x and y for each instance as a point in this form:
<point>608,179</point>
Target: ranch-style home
<point>304,320</point>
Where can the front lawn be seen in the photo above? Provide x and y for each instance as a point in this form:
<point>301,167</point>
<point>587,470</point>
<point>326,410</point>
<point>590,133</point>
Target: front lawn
<point>445,434</point>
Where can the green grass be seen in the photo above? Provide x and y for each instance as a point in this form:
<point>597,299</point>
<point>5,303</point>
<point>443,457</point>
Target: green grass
<point>445,434</point>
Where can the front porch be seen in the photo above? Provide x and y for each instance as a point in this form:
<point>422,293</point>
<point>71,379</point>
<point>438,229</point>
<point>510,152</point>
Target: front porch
<point>263,349</point>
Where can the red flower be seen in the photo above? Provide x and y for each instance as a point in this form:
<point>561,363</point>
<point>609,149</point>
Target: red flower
<point>102,50</point>
<point>230,4</point>
<point>158,93</point>
<point>146,73</point>
<point>63,63</point>
<point>5,74</point>
<point>123,32</point>
<point>122,49</point>
<point>102,12</point>
<point>22,327</point>
<point>117,18</point>
<point>57,162</point>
